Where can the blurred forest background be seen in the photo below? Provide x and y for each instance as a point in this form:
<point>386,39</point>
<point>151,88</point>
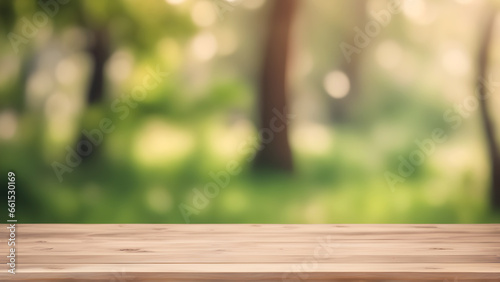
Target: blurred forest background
<point>172,96</point>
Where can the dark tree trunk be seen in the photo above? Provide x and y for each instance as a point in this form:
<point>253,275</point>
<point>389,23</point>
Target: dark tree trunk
<point>489,127</point>
<point>27,67</point>
<point>99,51</point>
<point>275,152</point>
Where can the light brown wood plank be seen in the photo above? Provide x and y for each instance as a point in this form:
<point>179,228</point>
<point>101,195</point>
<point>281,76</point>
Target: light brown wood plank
<point>182,258</point>
<point>242,251</point>
<point>262,271</point>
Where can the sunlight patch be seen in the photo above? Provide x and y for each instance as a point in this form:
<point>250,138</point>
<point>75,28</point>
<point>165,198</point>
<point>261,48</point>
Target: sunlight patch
<point>311,138</point>
<point>160,143</point>
<point>337,84</point>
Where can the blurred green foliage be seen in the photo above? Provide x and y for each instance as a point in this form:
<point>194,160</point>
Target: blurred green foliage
<point>197,119</point>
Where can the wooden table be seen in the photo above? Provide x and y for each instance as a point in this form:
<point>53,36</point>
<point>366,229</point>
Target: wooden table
<point>253,252</point>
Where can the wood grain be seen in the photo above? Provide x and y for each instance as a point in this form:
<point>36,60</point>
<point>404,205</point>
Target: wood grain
<point>253,252</point>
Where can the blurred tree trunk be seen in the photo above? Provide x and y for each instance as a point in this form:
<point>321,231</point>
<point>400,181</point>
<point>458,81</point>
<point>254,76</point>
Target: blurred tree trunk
<point>99,51</point>
<point>275,150</point>
<point>342,108</point>
<point>27,68</point>
<point>487,121</point>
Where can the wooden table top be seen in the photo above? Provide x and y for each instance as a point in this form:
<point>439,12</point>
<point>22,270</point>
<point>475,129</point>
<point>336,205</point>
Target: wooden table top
<point>127,252</point>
